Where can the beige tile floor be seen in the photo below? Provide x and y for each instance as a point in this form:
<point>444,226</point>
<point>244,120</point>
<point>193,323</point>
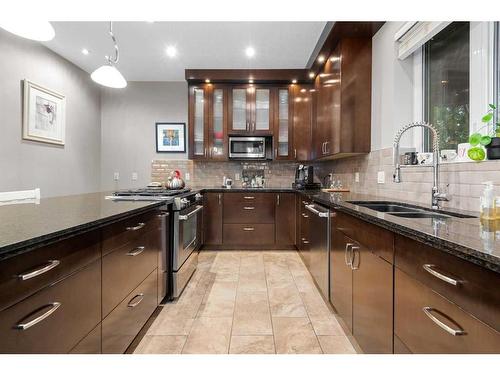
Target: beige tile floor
<point>247,302</point>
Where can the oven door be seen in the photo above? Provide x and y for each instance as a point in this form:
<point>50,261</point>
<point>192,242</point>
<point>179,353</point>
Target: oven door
<point>189,236</point>
<point>247,148</point>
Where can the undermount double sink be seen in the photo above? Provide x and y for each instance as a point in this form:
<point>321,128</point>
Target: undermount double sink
<point>408,211</point>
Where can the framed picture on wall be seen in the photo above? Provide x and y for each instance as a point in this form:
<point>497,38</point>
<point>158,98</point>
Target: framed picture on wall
<point>170,137</point>
<point>44,113</point>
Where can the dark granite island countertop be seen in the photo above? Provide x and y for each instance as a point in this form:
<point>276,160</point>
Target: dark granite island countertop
<point>466,238</point>
<point>26,226</point>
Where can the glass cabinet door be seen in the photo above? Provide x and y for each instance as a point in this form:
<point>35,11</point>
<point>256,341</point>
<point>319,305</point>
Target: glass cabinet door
<point>239,109</point>
<point>199,122</point>
<point>217,130</point>
<point>262,110</point>
<point>283,124</point>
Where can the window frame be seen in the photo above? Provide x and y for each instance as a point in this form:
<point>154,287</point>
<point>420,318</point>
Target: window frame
<point>484,78</point>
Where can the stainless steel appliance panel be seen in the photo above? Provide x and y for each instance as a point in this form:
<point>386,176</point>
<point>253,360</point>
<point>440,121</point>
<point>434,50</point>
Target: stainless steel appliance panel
<point>247,147</point>
<point>319,217</point>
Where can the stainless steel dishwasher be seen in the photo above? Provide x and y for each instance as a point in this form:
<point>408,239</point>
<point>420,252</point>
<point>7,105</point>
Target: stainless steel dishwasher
<point>319,242</point>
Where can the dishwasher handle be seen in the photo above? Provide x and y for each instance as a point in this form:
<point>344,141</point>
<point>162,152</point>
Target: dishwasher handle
<point>311,208</point>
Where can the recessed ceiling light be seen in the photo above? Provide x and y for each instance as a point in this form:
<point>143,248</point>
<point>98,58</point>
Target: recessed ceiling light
<point>207,81</point>
<point>171,51</point>
<point>311,74</point>
<point>294,81</point>
<point>85,51</point>
<point>321,58</point>
<point>303,90</point>
<point>250,52</point>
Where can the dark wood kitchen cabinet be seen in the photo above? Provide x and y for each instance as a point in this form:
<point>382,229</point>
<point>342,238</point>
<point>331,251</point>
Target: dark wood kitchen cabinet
<point>251,110</point>
<point>285,218</point>
<point>208,121</point>
<point>343,101</point>
<point>283,123</point>
<point>212,218</point>
<point>302,109</point>
<point>454,304</point>
<point>303,240</point>
<point>361,281</point>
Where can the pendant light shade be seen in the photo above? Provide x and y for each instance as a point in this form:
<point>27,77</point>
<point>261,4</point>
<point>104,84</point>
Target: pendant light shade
<point>109,76</point>
<point>34,30</point>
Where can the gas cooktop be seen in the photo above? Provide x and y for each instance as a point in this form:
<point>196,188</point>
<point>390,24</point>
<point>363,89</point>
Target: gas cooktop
<point>151,191</point>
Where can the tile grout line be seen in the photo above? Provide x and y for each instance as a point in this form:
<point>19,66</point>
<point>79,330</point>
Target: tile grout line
<point>269,304</point>
<point>234,307</point>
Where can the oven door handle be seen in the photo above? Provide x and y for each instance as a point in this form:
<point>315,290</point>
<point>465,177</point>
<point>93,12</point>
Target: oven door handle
<point>185,217</point>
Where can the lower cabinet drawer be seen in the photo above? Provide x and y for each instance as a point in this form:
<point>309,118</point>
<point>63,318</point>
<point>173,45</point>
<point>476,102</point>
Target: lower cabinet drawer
<point>251,212</point>
<point>124,268</point>
<point>121,326</point>
<point>91,344</point>
<point>56,318</point>
<point>426,322</point>
<point>248,234</point>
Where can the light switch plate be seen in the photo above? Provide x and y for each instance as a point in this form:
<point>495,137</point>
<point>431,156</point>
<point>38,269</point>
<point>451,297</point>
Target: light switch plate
<point>187,176</point>
<point>356,177</point>
<point>381,177</point>
<point>236,176</point>
<point>134,176</point>
<point>116,176</point>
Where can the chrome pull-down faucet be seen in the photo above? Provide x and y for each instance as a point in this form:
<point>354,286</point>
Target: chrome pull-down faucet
<point>437,196</point>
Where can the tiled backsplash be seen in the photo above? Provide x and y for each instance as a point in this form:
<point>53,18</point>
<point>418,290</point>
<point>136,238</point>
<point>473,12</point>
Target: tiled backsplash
<point>210,174</point>
<point>462,181</point>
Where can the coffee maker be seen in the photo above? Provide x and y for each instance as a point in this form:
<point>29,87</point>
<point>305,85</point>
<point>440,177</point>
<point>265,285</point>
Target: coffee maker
<point>304,178</point>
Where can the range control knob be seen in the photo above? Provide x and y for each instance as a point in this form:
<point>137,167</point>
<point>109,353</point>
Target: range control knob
<point>184,201</point>
<point>198,196</point>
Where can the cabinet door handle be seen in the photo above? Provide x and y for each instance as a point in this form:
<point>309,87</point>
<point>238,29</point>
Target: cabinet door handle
<point>326,147</point>
<point>295,153</point>
<point>248,208</point>
<point>306,216</point>
<point>347,260</point>
<point>38,319</point>
<point>305,242</point>
<point>431,269</point>
<point>249,229</point>
<point>248,197</point>
<point>220,198</point>
<point>136,251</point>
<point>276,152</point>
<point>454,332</point>
<point>39,271</point>
<point>139,299</point>
<point>353,258</point>
<point>277,199</point>
<point>137,227</point>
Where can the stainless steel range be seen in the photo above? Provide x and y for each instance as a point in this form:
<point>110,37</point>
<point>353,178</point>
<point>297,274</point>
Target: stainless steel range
<point>182,234</point>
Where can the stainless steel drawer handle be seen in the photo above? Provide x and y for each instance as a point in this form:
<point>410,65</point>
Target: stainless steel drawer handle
<point>431,269</point>
<point>139,299</point>
<point>249,208</point>
<point>248,197</point>
<point>353,258</point>
<point>39,271</point>
<point>305,242</point>
<point>454,332</point>
<point>137,227</point>
<point>136,251</point>
<point>185,217</point>
<point>38,319</point>
<point>249,229</point>
<point>315,211</point>
<point>348,260</point>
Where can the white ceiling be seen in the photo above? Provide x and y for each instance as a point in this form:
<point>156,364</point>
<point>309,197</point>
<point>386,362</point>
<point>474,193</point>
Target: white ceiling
<point>200,45</point>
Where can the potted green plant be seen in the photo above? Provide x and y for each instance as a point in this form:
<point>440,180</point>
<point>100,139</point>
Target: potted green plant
<point>490,141</point>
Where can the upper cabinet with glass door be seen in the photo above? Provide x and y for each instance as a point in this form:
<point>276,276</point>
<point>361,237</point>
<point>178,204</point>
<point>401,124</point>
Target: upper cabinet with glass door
<point>283,131</point>
<point>198,122</point>
<point>218,123</point>
<point>250,110</point>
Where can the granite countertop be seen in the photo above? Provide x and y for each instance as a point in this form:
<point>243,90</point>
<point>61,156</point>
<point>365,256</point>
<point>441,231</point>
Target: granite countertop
<point>241,190</point>
<point>24,226</point>
<point>466,238</point>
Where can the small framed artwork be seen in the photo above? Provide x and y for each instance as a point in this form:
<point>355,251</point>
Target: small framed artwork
<point>170,137</point>
<point>44,113</point>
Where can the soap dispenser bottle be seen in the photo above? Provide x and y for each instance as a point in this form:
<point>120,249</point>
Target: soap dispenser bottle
<point>488,202</point>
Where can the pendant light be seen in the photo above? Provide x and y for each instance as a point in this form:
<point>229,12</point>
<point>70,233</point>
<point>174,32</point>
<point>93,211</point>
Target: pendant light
<point>107,75</point>
<point>41,31</point>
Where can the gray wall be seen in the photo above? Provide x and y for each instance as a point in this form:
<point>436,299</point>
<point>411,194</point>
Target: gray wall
<point>56,170</point>
<point>128,119</point>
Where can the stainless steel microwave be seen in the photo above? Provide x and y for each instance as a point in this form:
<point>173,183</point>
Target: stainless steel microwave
<point>247,148</point>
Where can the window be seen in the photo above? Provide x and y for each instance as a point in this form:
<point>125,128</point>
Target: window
<point>446,85</point>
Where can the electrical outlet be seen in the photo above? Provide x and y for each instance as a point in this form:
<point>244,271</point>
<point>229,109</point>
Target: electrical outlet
<point>236,176</point>
<point>134,176</point>
<point>116,176</point>
<point>187,176</point>
<point>381,177</point>
<point>356,177</point>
